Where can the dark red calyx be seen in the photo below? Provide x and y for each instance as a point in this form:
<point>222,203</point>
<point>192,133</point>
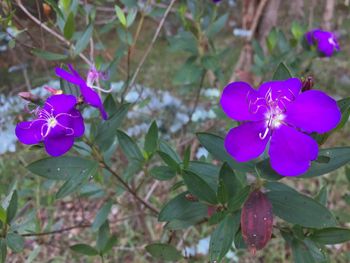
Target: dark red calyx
<point>308,83</point>
<point>256,221</point>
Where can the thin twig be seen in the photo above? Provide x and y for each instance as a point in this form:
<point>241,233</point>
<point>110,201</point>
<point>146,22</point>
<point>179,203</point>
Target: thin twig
<point>49,30</point>
<point>128,188</point>
<point>148,50</point>
<point>59,231</point>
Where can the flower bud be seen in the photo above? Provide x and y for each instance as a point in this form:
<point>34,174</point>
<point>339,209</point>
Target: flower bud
<point>256,221</point>
<point>308,83</point>
<point>26,95</point>
<point>53,91</point>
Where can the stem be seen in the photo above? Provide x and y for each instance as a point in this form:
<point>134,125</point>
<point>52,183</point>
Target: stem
<point>200,87</point>
<point>59,231</point>
<point>104,165</point>
<point>128,188</point>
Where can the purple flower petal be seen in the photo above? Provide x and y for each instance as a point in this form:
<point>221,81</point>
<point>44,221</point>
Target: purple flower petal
<point>291,151</point>
<point>244,143</point>
<point>56,146</point>
<point>91,97</point>
<point>289,89</point>
<point>77,80</point>
<point>60,103</point>
<point>313,111</point>
<point>235,101</point>
<point>309,38</point>
<point>29,132</point>
<point>74,121</point>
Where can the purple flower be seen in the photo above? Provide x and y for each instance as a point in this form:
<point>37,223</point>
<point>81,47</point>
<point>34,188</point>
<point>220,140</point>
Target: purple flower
<point>56,124</point>
<point>325,41</point>
<point>278,112</point>
<point>89,95</point>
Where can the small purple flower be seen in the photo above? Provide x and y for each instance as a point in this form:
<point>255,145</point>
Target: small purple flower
<point>89,95</point>
<point>56,124</point>
<point>325,41</point>
<point>278,112</point>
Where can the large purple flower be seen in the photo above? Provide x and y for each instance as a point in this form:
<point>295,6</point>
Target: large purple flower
<point>56,124</point>
<point>278,112</point>
<point>89,95</point>
<point>325,41</point>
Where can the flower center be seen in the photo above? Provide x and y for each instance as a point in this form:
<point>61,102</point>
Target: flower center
<point>51,122</point>
<point>331,41</point>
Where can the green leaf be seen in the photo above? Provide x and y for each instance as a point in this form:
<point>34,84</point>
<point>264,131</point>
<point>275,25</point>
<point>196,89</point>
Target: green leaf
<point>48,55</point>
<point>184,41</point>
<point>332,235</point>
<point>173,165</point>
<point>3,250</point>
<point>129,147</point>
<point>299,209</point>
<point>271,40</point>
<point>282,72</point>
<point>217,26</point>
<point>230,181</point>
<point>207,171</point>
<point>239,242</point>
<point>222,237</point>
<point>120,15</point>
<point>182,209</point>
<point>237,200</point>
<point>151,139</point>
<point>61,168</point>
<point>15,242</point>
<point>322,196</point>
<point>307,252</point>
<point>162,173</point>
<point>11,210</point>
<point>166,148</point>
<point>84,40</point>
<point>297,30</point>
<point>188,73</point>
<point>112,241</point>
<point>129,3</point>
<point>75,182</point>
<point>84,249</point>
<point>2,214</point>
<point>337,157</point>
<point>198,187</point>
<point>101,216</point>
<point>102,236</point>
<point>215,145</point>
<point>69,26</point>
<point>107,130</point>
<point>163,252</point>
<point>276,186</point>
<point>131,17</point>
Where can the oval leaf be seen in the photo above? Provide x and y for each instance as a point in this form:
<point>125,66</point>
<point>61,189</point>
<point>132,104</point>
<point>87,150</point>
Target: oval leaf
<point>164,252</point>
<point>299,209</point>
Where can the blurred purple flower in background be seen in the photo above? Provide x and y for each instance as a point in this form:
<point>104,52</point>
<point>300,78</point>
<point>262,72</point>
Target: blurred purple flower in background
<point>90,96</point>
<point>325,41</point>
<point>56,124</point>
<point>278,112</point>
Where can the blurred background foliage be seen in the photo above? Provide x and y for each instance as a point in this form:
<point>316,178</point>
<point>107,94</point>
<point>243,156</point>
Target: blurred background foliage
<point>170,60</point>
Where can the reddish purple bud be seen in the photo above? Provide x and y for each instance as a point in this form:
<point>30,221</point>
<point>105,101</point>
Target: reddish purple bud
<point>26,95</point>
<point>308,83</point>
<point>191,197</point>
<point>256,221</point>
<point>211,210</point>
<point>53,91</point>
